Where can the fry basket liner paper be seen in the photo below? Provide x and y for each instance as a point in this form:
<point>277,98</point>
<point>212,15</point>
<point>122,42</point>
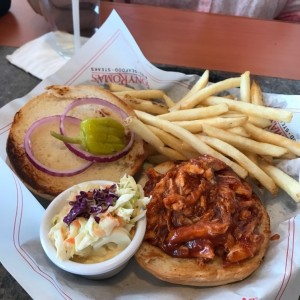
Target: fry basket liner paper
<point>112,55</point>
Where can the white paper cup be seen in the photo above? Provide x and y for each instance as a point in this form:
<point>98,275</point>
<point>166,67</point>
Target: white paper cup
<point>72,22</point>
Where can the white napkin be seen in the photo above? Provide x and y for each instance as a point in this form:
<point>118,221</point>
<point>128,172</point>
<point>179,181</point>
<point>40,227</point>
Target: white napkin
<point>38,57</point>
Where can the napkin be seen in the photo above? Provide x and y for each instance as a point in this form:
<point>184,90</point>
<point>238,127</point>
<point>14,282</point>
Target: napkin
<point>38,57</point>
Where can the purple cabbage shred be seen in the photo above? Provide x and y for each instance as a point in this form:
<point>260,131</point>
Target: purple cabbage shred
<point>91,203</point>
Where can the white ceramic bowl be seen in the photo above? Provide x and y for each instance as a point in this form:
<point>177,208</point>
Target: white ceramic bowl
<point>100,270</point>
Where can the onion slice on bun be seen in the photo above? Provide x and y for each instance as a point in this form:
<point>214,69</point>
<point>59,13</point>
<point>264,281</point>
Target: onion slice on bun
<point>54,153</point>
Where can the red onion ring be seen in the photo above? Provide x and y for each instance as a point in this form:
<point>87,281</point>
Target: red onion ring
<point>85,154</point>
<point>38,164</point>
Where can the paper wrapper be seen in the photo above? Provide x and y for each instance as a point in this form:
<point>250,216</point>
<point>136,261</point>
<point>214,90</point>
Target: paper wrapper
<point>112,55</point>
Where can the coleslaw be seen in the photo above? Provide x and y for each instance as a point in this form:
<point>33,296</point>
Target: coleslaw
<point>99,221</point>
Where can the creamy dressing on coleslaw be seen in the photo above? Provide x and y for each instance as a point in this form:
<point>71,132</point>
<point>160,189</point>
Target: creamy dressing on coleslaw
<point>100,237</point>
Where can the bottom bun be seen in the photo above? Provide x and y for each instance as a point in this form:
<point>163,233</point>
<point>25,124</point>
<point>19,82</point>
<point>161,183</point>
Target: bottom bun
<point>188,271</point>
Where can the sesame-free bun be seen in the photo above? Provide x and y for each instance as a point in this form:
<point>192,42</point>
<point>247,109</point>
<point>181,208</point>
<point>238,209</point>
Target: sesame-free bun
<point>53,102</point>
<point>188,271</point>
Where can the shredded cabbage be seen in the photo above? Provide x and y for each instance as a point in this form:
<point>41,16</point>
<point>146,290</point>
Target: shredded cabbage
<point>97,223</point>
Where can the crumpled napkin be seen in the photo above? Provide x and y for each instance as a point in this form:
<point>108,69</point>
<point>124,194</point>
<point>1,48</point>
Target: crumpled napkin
<point>38,57</point>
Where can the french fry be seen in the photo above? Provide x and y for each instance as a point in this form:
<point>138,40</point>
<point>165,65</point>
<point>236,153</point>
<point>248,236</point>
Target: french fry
<point>259,122</point>
<point>173,142</point>
<point>232,113</point>
<point>143,131</point>
<point>195,113</point>
<point>146,105</point>
<point>250,109</point>
<point>169,102</point>
<point>273,138</point>
<point>244,143</point>
<point>243,161</point>
<point>256,96</point>
<point>189,138</point>
<point>215,88</point>
<point>115,87</point>
<point>224,122</point>
<point>200,84</point>
<point>141,94</point>
<point>288,155</point>
<point>120,91</point>
<point>239,131</point>
<point>283,180</point>
<point>253,157</point>
<point>245,87</point>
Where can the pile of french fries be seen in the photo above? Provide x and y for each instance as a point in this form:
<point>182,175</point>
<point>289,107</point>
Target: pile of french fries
<point>233,129</point>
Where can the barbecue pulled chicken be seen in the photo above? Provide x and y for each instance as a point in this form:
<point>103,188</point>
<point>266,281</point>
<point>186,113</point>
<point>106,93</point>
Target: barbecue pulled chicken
<point>201,210</point>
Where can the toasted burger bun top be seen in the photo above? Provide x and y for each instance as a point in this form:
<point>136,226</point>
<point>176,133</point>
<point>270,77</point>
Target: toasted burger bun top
<point>205,225</point>
<point>53,102</point>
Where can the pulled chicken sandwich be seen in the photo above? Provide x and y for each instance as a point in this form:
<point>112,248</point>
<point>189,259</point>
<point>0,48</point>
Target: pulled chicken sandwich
<point>205,225</point>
